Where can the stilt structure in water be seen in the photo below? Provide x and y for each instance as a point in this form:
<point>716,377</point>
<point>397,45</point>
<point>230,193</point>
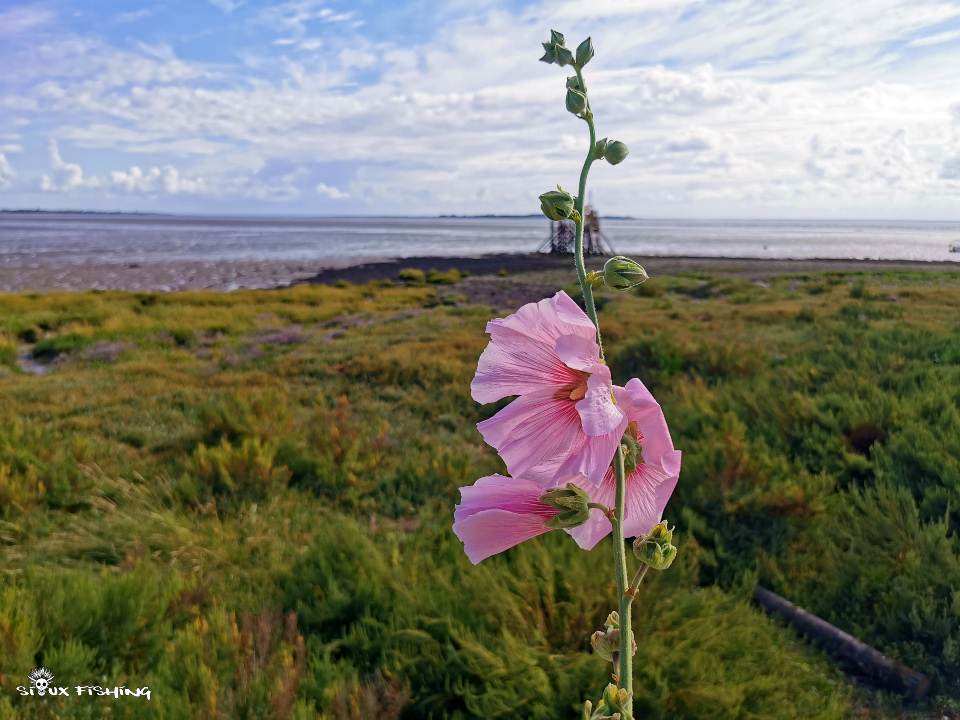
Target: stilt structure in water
<point>562,238</point>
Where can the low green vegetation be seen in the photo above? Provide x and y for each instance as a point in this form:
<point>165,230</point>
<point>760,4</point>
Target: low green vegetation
<point>243,501</point>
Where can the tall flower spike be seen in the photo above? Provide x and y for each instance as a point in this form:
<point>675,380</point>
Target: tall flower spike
<point>649,486</point>
<point>565,420</point>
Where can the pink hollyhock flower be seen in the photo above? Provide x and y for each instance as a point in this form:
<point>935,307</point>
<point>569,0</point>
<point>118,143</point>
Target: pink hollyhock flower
<point>496,513</point>
<point>565,420</point>
<point>649,487</point>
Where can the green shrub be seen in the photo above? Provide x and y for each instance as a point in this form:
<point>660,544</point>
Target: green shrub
<point>8,352</point>
<point>859,291</point>
<point>244,473</point>
<point>413,276</point>
<point>450,277</point>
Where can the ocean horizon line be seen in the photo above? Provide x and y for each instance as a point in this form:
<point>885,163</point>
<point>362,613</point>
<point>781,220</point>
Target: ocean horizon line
<point>455,216</point>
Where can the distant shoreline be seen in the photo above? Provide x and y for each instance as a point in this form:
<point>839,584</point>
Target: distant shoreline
<point>550,270</point>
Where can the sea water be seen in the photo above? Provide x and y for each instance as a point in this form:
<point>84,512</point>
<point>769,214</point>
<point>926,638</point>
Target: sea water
<point>38,239</point>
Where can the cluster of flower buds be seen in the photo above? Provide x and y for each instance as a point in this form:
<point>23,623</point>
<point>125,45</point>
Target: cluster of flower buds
<point>655,549</point>
<point>606,643</point>
<point>621,273</point>
<point>556,51</point>
<point>558,205</point>
<point>572,502</point>
<point>611,707</point>
<point>614,151</point>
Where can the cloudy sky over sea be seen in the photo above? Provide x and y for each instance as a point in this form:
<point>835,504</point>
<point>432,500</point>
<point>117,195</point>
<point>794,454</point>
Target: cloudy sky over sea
<point>746,108</point>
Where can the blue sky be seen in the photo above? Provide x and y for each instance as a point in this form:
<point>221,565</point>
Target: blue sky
<point>747,108</point>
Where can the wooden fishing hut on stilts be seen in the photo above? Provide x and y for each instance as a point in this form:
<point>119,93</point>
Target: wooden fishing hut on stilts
<point>562,238</point>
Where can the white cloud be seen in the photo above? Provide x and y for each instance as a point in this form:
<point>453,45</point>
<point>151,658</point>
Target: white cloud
<point>129,17</point>
<point>228,6</point>
<point>748,102</point>
<point>7,173</point>
<point>936,39</point>
<point>157,180</point>
<point>66,176</point>
<point>333,193</point>
<point>20,20</point>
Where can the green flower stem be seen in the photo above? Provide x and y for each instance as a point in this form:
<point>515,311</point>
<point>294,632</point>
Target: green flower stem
<point>638,578</point>
<point>585,285</point>
<point>626,599</point>
<point>619,550</point>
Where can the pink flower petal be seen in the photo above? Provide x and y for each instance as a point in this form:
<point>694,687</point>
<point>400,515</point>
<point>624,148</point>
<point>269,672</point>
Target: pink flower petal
<point>598,413</point>
<point>515,495</point>
<point>497,513</point>
<point>533,429</point>
<point>579,353</point>
<point>550,318</point>
<point>591,456</point>
<point>490,532</point>
<point>515,364</point>
<point>639,405</point>
<point>647,492</point>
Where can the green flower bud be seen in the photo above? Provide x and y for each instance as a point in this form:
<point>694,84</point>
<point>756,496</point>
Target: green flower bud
<point>614,699</point>
<point>655,549</point>
<point>584,52</point>
<point>573,503</point>
<point>556,204</point>
<point>576,101</point>
<point>648,552</point>
<point>621,273</point>
<point>669,555</point>
<point>555,52</point>
<point>616,152</point>
<point>600,148</point>
<point>564,56</point>
<point>573,82</point>
<point>549,53</point>
<point>587,710</point>
<point>662,533</point>
<point>606,644</point>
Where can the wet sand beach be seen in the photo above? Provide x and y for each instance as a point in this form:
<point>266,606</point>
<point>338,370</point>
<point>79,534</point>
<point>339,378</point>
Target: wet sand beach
<point>160,276</point>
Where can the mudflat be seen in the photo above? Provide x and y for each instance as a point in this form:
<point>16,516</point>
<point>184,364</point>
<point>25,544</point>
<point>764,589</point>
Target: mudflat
<point>535,269</point>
